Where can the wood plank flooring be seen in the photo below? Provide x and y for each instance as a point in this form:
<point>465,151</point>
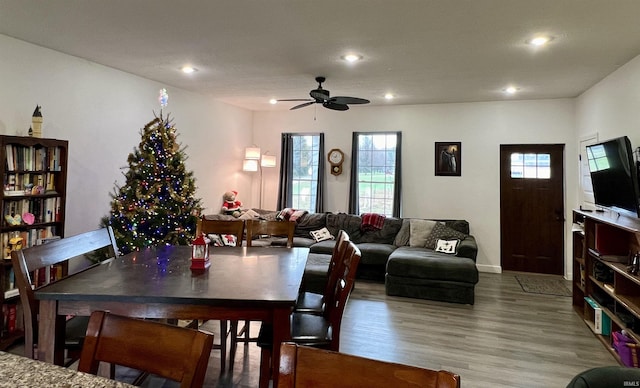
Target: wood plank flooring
<point>509,338</point>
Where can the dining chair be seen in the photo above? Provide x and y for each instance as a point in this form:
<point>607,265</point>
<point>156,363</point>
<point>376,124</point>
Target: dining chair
<point>236,228</point>
<point>269,228</point>
<point>259,228</point>
<point>173,352</point>
<point>303,366</point>
<point>314,303</point>
<point>322,331</point>
<point>233,227</point>
<point>41,264</point>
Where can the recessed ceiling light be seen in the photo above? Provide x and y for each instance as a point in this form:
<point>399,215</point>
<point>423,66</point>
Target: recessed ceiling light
<point>352,57</point>
<point>273,101</point>
<point>389,96</point>
<point>188,69</point>
<point>540,40</point>
<point>511,90</point>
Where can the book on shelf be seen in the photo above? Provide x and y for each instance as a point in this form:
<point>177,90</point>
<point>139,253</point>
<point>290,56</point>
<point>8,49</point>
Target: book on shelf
<point>601,321</point>
<point>9,318</point>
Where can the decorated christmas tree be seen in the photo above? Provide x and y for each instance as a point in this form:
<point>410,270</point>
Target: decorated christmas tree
<point>156,205</point>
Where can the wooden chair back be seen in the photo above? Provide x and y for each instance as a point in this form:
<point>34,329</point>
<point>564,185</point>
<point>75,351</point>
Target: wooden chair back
<point>344,285</point>
<point>335,266</point>
<point>270,228</point>
<point>234,227</point>
<point>38,260</point>
<point>176,353</point>
<point>302,366</point>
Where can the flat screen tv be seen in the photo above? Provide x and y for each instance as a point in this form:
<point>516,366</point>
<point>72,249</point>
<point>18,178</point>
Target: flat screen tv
<point>614,176</point>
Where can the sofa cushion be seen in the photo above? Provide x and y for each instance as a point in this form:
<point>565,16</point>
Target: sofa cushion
<point>386,235</point>
<point>402,238</point>
<point>375,253</point>
<point>350,223</point>
<point>309,222</point>
<point>419,231</point>
<point>300,242</point>
<point>324,247</point>
<point>461,226</point>
<point>442,232</point>
<point>424,263</point>
<point>316,273</point>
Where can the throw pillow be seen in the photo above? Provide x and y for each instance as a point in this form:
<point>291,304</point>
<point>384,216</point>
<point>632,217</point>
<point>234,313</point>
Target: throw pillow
<point>223,240</point>
<point>447,246</point>
<point>419,231</point>
<point>321,235</point>
<point>442,232</point>
<point>402,238</point>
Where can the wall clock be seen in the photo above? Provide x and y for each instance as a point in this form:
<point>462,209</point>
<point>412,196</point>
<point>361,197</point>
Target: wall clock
<point>336,157</point>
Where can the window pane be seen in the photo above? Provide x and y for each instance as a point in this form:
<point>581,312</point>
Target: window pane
<point>305,157</point>
<point>533,166</point>
<point>376,172</point>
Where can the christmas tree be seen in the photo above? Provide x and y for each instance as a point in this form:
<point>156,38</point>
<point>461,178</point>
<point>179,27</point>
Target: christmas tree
<point>156,205</point>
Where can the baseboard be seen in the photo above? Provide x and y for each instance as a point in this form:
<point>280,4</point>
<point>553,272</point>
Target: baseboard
<point>489,268</point>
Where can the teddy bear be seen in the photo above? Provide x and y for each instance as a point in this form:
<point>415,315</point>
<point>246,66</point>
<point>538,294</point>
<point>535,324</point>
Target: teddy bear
<point>231,205</point>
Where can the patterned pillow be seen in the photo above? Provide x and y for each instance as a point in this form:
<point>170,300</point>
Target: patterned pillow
<point>447,246</point>
<point>441,232</point>
<point>223,240</point>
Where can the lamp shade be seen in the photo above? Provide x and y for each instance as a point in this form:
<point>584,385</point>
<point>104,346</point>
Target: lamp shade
<point>252,153</point>
<point>250,165</point>
<point>268,161</point>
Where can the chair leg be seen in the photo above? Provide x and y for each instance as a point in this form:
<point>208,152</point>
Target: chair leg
<point>265,367</point>
<point>233,333</point>
<point>223,345</point>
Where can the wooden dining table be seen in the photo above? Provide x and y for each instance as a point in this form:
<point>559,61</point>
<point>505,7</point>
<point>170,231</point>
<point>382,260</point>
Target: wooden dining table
<point>257,283</point>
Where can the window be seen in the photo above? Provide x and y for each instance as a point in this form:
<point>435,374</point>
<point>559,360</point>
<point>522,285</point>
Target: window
<point>375,173</point>
<point>534,166</point>
<point>300,177</point>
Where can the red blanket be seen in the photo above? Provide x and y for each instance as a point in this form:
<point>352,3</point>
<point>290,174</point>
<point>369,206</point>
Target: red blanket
<point>372,221</point>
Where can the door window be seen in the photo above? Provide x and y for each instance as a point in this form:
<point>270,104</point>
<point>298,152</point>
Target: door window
<point>529,165</point>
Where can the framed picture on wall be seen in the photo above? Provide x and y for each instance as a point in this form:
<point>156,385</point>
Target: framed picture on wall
<point>448,158</point>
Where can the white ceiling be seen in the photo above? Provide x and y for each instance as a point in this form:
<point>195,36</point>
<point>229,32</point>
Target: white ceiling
<point>423,51</point>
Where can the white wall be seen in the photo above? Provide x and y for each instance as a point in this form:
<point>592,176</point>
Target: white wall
<point>481,127</point>
<point>100,111</point>
<point>611,108</point>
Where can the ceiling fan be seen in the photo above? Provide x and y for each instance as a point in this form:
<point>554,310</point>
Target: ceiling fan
<point>322,96</point>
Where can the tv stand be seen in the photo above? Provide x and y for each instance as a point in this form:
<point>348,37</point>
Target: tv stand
<point>605,295</point>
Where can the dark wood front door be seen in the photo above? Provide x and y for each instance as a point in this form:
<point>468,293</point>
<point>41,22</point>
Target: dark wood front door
<point>531,208</point>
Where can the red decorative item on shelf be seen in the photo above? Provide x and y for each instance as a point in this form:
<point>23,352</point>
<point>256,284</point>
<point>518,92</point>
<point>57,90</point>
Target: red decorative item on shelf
<point>200,253</point>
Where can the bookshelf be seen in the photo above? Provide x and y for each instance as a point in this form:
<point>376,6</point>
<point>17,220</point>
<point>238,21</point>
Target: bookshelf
<point>33,210</point>
<point>605,294</point>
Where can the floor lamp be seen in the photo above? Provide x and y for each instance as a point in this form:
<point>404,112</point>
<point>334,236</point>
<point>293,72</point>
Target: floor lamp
<point>254,161</point>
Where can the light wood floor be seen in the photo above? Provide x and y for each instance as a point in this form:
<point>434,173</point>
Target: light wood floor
<point>509,338</point>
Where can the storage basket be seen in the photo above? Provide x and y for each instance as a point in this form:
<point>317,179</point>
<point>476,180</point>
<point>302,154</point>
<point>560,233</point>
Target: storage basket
<point>626,348</point>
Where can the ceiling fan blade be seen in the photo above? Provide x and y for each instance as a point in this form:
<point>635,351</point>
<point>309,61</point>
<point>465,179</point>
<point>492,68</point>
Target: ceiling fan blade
<point>349,100</point>
<point>335,106</point>
<point>295,99</point>
<point>303,105</point>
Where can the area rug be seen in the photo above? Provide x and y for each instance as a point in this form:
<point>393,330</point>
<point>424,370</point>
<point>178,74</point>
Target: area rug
<point>544,285</point>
